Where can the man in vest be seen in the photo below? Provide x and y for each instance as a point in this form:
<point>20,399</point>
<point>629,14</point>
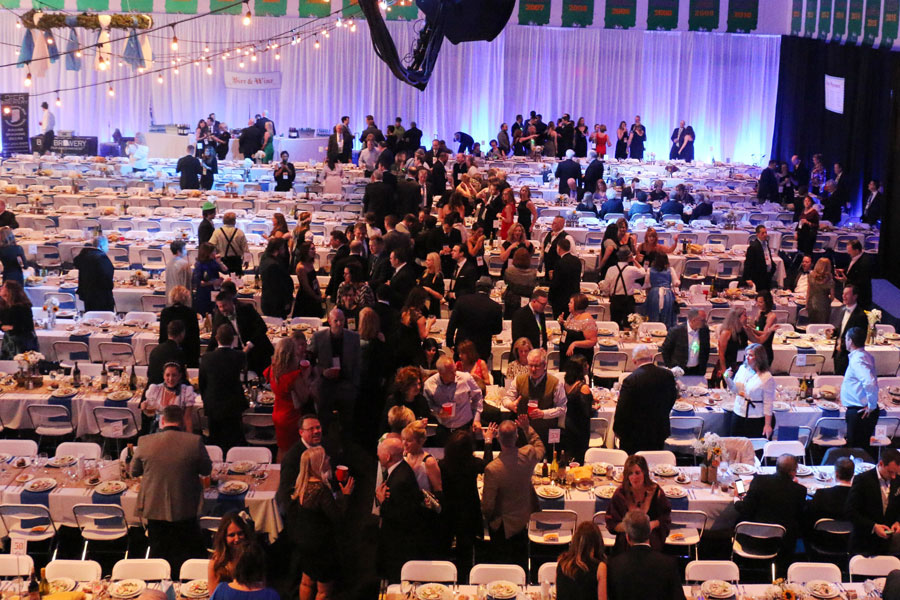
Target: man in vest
<point>539,394</point>
<point>230,243</point>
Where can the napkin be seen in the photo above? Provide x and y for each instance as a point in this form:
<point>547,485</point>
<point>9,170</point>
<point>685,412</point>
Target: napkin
<point>552,503</point>
<point>65,596</point>
<point>27,497</point>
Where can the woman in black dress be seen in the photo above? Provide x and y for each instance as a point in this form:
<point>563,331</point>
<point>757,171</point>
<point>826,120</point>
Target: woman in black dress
<point>12,256</point>
<point>581,570</point>
<point>526,213</point>
<point>622,141</point>
<point>308,302</point>
<point>580,406</point>
<point>202,136</point>
<point>765,323</point>
<point>432,281</point>
<point>414,328</point>
<point>807,227</point>
<point>16,321</point>
<point>179,309</point>
<point>581,133</point>
<point>210,168</point>
<point>313,522</point>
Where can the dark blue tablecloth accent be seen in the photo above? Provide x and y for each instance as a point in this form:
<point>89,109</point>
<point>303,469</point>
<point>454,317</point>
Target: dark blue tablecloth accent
<point>109,523</point>
<point>541,526</point>
<point>264,186</point>
<point>115,404</point>
<point>84,339</point>
<point>98,498</point>
<point>33,522</point>
<point>122,339</point>
<point>226,503</point>
<point>35,497</point>
<point>600,504</point>
<point>831,413</point>
<point>552,503</point>
<point>67,402</point>
<point>679,503</point>
<point>682,413</point>
<point>806,350</point>
<point>787,433</point>
<point>66,305</point>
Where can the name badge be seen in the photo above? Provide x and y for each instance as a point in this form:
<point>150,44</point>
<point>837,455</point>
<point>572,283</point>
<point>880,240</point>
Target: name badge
<point>479,261</point>
<point>336,362</point>
<point>740,355</point>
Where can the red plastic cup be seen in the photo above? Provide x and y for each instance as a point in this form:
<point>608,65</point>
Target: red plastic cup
<point>342,473</point>
<point>447,409</point>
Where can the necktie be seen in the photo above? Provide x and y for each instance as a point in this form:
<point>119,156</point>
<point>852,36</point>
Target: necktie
<point>384,475</point>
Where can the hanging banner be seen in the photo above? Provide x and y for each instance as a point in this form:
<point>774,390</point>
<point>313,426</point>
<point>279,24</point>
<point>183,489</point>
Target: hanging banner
<point>743,15</point>
<point>839,20</point>
<point>49,4</point>
<point>93,5</point>
<point>315,8</point>
<point>407,11</point>
<point>797,17</point>
<point>854,21</point>
<point>221,4</point>
<point>620,14</point>
<point>812,13</point>
<point>239,80</point>
<point>824,18</point>
<point>703,15</point>
<point>145,6</point>
<point>578,13</point>
<point>14,128</point>
<point>266,8</point>
<point>533,12</point>
<point>889,23</point>
<point>185,7</point>
<point>9,3</point>
<point>873,22</point>
<point>662,15</point>
<point>350,9</point>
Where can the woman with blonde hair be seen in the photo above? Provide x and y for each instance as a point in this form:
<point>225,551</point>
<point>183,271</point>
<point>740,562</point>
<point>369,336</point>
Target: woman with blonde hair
<point>581,570</point>
<point>650,247</point>
<point>432,281</point>
<point>398,417</point>
<point>518,360</point>
<point>179,309</point>
<point>288,376</point>
<point>732,339</point>
<point>12,256</point>
<point>298,236</point>
<point>424,465</point>
<point>820,292</point>
<point>314,521</point>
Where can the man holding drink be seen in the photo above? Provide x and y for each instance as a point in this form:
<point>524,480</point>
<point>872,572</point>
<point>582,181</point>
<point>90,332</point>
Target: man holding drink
<point>454,398</point>
<point>538,394</point>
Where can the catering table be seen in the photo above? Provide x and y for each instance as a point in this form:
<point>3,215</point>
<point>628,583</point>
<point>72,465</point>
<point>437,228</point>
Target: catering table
<point>168,145</point>
<point>259,500</point>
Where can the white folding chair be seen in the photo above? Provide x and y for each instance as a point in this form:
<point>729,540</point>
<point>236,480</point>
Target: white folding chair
<point>438,571</point>
<point>777,448</point>
<point>30,522</point>
<point>560,522</point>
<point>194,568</point>
<point>255,454</point>
<point>872,566</point>
<point>608,364</point>
<point>19,447</point>
<point>813,366</point>
<point>547,572</point>
<point>103,315</point>
<point>15,565</point>
<point>704,570</point>
<point>599,431</point>
<point>685,432</point>
<point>486,573</point>
<point>89,450</point>
<point>599,521</point>
<point>68,353</point>
<point>117,352</point>
<point>259,428</point>
<point>209,526</point>
<point>100,523</point>
<point>691,525</point>
<point>215,453</point>
<point>766,533</point>
<point>50,420</point>
<point>115,423</point>
<point>829,432</point>
<point>148,569</point>
<point>802,572</point>
<point>612,456</point>
<point>153,303</point>
<point>79,570</point>
<point>152,259</point>
<point>657,457</point>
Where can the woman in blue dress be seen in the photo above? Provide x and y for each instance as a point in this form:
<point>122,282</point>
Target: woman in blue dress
<point>207,277</point>
<point>661,305</point>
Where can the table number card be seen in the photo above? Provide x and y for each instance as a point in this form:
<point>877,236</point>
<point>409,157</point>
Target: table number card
<point>881,431</point>
<point>18,546</point>
<point>111,472</point>
<point>801,360</point>
<point>553,436</point>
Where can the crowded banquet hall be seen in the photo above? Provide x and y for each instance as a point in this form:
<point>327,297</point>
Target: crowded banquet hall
<point>588,301</point>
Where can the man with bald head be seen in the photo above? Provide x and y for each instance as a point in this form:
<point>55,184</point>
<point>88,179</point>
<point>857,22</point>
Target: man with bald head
<point>646,399</point>
<point>508,499</point>
<point>336,354</point>
<point>7,218</point>
<point>398,503</point>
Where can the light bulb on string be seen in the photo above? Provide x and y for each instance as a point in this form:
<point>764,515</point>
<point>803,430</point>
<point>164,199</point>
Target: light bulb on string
<point>316,45</point>
<point>175,70</point>
<point>324,31</point>
<point>327,34</point>
<point>49,40</point>
<point>247,15</point>
<point>78,54</point>
<point>141,69</point>
<point>18,25</point>
<point>102,64</point>
<point>340,23</point>
<point>174,41</point>
<point>120,63</point>
<point>28,79</point>
<point>209,68</point>
<point>58,99</point>
<point>111,92</point>
<point>206,48</point>
<point>159,79</point>
<point>241,64</point>
<point>277,56</point>
<point>253,57</point>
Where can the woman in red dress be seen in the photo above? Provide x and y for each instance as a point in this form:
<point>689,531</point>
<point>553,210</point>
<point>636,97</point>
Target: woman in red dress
<point>288,376</point>
<point>508,214</point>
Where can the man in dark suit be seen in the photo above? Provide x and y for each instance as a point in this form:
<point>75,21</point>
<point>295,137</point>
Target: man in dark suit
<point>379,268</point>
<point>703,209</point>
<point>872,506</point>
<point>171,463</point>
<point>767,186</point>
<point>336,355</point>
<point>642,568</point>
<point>398,503</point>
<point>551,242</point>
<point>677,138</point>
<point>859,273</point>
<point>672,206</point>
<point>759,261</point>
<point>371,129</point>
<point>687,346</point>
<point>840,198</point>
<point>310,436</point>
<point>250,140</point>
<point>476,317</point>
<point>393,239</point>
<point>530,321</point>
<point>439,175</point>
<point>250,331</point>
<point>403,278</point>
<point>775,499</point>
<point>388,316</point>
<point>220,387</point>
<point>7,218</point>
<point>424,195</point>
<point>568,169</point>
<point>612,204</point>
<point>167,352</point>
<point>831,502</point>
<point>593,173</point>
<point>341,251</point>
<point>412,137</point>
<point>466,142</point>
<point>340,144</point>
<point>565,279</point>
<point>851,315</point>
<point>799,175</point>
<point>190,168</point>
<point>645,401</point>
<point>408,197</point>
<point>378,198</point>
<point>873,205</point>
<point>463,277</point>
<point>95,276</point>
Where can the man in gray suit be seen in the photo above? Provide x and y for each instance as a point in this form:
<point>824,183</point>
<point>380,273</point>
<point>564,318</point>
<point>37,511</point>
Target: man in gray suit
<point>172,462</point>
<point>335,352</point>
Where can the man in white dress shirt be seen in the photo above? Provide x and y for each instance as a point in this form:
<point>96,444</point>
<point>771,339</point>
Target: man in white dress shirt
<point>859,391</point>
<point>48,123</point>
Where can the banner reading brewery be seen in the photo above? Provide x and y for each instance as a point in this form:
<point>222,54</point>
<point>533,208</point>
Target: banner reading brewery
<point>253,81</point>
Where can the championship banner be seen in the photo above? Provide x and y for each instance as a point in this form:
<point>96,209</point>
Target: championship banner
<point>854,21</point>
<point>239,80</point>
<point>315,8</point>
<point>873,22</point>
<point>743,15</point>
<point>824,18</point>
<point>217,4</point>
<point>93,5</point>
<point>14,128</point>
<point>265,8</point>
<point>662,15</point>
<point>402,12</point>
<point>9,3</point>
<point>620,14</point>
<point>797,17</point>
<point>185,7</point>
<point>578,13</point>
<point>144,6</point>
<point>533,12</point>
<point>812,13</point>
<point>839,20</point>
<point>889,23</point>
<point>703,15</point>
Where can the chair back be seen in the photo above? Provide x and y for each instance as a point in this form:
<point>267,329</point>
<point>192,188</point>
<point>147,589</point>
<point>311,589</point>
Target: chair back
<point>19,520</point>
<point>215,453</point>
<point>872,566</point>
<point>194,568</point>
<point>547,572</point>
<point>813,366</point>
<point>153,303</point>
<point>259,428</point>
<point>612,456</point>
<point>438,571</point>
<point>66,300</point>
<point>704,570</point>
<point>252,453</point>
<point>152,569</point>
<point>101,521</point>
<point>657,457</point>
<point>117,352</point>
<point>777,448</point>
<point>599,431</point>
<point>50,419</point>
<point>69,352</point>
<point>102,315</point>
<point>89,450</point>
<point>15,565</point>
<point>486,573</point>
<point>561,522</point>
<point>79,570</point>
<point>107,418</point>
<point>802,572</point>
<point>147,317</point>
<point>19,448</point>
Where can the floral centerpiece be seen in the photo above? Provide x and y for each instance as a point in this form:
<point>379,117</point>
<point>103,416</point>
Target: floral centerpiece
<point>731,220</point>
<point>635,320</point>
<point>874,317</point>
<point>51,307</point>
<point>28,364</point>
<point>248,164</point>
<point>781,590</point>
<point>259,156</point>
<point>139,278</point>
<point>709,449</point>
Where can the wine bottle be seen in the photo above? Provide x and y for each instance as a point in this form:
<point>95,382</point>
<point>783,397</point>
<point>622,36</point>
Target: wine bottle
<point>76,376</point>
<point>44,585</point>
<point>554,467</point>
<point>132,380</point>
<point>104,377</point>
<point>34,592</point>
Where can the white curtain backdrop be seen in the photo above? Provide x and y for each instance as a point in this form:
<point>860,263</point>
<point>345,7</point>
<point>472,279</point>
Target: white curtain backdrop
<point>724,85</point>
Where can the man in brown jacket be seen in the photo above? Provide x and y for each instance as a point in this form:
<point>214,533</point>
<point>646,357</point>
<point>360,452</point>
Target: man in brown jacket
<point>509,499</point>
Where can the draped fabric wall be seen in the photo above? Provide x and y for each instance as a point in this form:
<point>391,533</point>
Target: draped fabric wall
<point>724,85</point>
